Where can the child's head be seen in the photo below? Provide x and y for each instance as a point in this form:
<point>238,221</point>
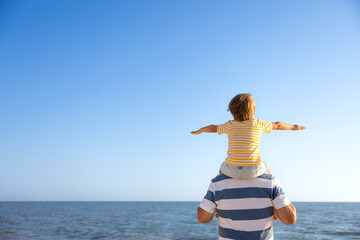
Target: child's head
<point>242,107</point>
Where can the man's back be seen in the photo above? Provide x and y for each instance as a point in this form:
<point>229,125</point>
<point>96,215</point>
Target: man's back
<point>245,207</point>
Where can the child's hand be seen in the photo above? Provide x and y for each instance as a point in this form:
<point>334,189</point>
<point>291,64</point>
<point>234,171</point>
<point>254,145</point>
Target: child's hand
<point>297,127</point>
<point>196,132</point>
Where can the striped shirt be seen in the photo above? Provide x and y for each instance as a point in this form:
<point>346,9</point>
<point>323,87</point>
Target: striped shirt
<point>244,141</point>
<point>245,207</point>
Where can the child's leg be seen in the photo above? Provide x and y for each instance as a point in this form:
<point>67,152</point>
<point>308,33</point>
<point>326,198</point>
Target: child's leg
<point>266,167</point>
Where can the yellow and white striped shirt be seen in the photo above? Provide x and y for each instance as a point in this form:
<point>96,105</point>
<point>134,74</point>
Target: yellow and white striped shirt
<point>244,141</point>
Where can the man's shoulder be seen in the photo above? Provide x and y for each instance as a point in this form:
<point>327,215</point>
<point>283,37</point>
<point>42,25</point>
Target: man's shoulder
<point>219,178</point>
<point>267,176</point>
<point>263,177</point>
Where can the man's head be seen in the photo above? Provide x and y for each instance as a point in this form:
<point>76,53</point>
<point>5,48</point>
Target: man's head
<point>242,107</point>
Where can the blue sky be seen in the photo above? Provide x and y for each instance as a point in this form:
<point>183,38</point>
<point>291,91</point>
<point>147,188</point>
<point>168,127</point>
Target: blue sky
<point>98,98</point>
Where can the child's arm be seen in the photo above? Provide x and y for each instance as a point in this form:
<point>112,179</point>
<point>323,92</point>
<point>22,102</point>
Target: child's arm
<point>210,128</point>
<point>285,126</point>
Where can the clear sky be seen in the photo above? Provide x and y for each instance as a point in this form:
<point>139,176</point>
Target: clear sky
<point>98,98</point>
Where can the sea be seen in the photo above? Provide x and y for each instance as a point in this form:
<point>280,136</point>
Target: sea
<point>160,220</point>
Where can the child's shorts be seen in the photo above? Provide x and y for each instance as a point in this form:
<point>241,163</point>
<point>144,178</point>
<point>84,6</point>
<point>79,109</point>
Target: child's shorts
<point>243,172</point>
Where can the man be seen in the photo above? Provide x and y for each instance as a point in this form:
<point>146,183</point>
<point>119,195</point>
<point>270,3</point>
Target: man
<point>246,208</point>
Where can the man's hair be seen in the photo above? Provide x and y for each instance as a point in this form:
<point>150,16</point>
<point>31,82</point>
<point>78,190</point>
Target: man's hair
<point>242,107</point>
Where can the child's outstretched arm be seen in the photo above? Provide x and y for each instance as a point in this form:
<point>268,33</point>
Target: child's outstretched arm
<point>285,126</point>
<point>210,128</point>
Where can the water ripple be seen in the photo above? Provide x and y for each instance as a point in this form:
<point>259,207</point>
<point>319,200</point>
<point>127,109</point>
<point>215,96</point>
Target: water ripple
<point>158,221</point>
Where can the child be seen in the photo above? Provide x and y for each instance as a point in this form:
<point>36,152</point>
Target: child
<point>244,132</point>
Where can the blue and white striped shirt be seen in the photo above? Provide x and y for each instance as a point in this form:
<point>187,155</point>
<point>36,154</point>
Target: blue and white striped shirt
<point>245,207</point>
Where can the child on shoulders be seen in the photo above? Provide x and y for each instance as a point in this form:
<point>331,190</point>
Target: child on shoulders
<point>243,159</point>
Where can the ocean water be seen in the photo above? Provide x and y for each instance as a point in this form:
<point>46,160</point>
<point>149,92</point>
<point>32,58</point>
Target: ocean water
<point>159,220</point>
